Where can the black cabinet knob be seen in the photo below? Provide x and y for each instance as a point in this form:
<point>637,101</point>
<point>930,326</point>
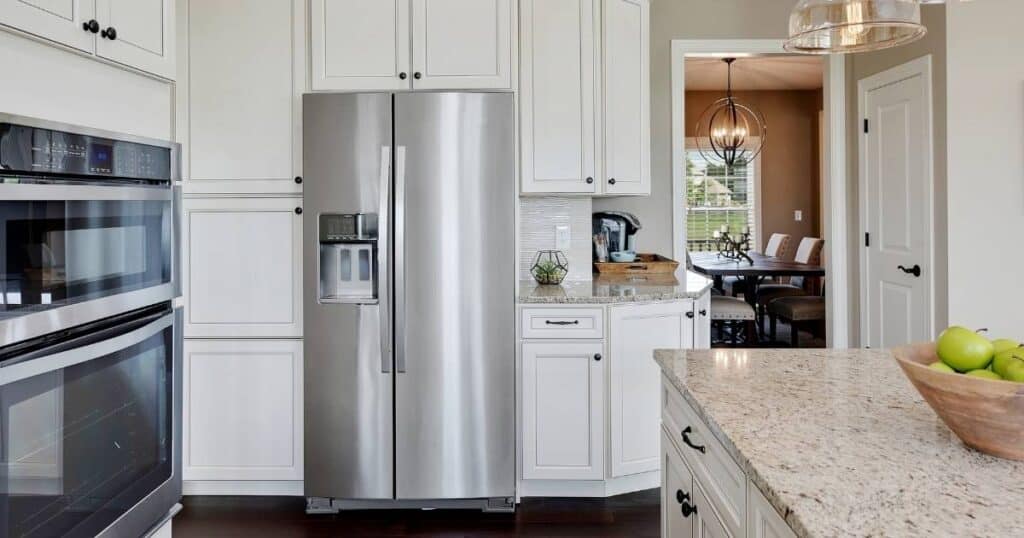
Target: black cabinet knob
<point>417,75</point>
<point>91,26</point>
<point>611,181</point>
<point>298,180</point>
<point>688,509</point>
<point>680,496</point>
<point>690,314</point>
<point>109,33</point>
<point>403,76</point>
<point>703,312</point>
<point>298,210</point>
<point>597,357</point>
<point>590,180</point>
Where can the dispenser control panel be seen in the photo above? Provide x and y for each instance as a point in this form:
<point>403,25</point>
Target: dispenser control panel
<point>340,228</point>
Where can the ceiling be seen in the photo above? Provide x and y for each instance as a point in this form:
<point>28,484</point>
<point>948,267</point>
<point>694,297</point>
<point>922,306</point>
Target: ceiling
<point>758,73</point>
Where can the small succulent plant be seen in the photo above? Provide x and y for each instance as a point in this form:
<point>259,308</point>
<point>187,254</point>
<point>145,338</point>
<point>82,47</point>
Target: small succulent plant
<point>549,267</point>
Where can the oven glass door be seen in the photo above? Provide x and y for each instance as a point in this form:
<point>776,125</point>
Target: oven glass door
<point>86,432</point>
<point>64,245</point>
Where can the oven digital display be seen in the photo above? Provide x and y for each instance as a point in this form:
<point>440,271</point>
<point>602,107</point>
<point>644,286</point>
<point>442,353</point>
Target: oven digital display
<point>101,158</point>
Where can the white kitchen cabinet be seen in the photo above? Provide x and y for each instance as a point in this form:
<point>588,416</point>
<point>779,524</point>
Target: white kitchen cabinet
<point>362,45</point>
<point>676,489</point>
<point>762,519</point>
<point>627,130</point>
<point>635,378</point>
<point>462,44</point>
<point>242,410</point>
<point>706,521</point>
<point>57,20</point>
<point>138,33</point>
<point>559,96</point>
<point>585,97</point>
<point>702,322</point>
<point>243,128</point>
<point>242,267</point>
<point>135,33</point>
<point>563,410</point>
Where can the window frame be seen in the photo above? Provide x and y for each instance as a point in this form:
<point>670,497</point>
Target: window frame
<point>755,240</point>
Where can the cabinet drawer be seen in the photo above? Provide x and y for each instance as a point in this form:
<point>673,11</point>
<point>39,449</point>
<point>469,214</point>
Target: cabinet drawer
<point>718,474</point>
<point>563,323</point>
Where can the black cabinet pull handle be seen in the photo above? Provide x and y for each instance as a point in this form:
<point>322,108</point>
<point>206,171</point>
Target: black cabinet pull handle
<point>403,76</point>
<point>688,509</point>
<point>91,26</point>
<point>417,75</point>
<point>573,322</point>
<point>590,180</point>
<point>703,312</point>
<point>689,443</point>
<point>690,314</point>
<point>597,357</point>
<point>298,180</point>
<point>110,33</point>
<point>915,270</point>
<point>611,181</point>
<point>298,210</point>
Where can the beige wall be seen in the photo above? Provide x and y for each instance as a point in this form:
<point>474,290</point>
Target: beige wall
<point>986,165</point>
<point>686,19</point>
<point>860,66</point>
<point>790,167</point>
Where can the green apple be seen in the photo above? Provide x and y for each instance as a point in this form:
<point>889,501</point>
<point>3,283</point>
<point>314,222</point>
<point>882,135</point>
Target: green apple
<point>942,367</point>
<point>985,374</point>
<point>964,350</point>
<point>1002,344</point>
<point>1015,371</point>
<point>1005,358</point>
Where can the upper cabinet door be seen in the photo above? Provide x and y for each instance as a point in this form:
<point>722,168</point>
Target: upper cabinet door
<point>627,141</point>
<point>360,44</point>
<point>558,96</point>
<point>138,33</point>
<point>243,102</point>
<point>462,44</point>
<point>63,21</point>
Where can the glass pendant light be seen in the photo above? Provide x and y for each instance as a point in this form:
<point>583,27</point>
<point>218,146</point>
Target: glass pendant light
<point>842,26</point>
<point>730,132</point>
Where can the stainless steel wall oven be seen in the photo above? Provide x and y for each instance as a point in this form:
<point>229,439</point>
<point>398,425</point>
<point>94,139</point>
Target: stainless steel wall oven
<point>90,342</point>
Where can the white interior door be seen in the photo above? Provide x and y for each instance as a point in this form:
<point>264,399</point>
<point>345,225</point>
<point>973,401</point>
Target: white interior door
<point>896,191</point>
<point>59,20</point>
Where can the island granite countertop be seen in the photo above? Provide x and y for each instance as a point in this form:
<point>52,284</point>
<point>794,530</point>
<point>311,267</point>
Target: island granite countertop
<point>618,289</point>
<point>841,444</point>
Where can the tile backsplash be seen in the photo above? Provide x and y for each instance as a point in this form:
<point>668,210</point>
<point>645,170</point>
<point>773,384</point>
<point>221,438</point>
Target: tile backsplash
<point>538,218</point>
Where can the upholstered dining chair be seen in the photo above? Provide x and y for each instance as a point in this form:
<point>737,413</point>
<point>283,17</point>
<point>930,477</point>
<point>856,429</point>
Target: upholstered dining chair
<point>736,315</point>
<point>777,247</point>
<point>798,312</point>
<point>808,252</point>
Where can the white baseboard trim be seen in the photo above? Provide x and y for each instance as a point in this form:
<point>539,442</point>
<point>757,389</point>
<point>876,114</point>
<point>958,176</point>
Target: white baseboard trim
<point>590,488</point>
<point>243,487</point>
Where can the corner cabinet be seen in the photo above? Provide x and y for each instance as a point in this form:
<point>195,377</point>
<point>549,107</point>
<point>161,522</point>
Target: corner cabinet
<point>412,44</point>
<point>585,97</point>
<point>135,33</point>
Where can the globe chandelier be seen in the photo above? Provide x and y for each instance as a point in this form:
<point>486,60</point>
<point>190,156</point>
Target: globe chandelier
<point>730,131</point>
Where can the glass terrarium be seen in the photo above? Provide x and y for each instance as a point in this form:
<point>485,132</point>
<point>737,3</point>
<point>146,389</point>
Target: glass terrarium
<point>549,267</point>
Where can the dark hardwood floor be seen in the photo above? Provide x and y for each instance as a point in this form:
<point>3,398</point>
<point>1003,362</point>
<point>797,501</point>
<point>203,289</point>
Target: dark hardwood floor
<point>634,515</point>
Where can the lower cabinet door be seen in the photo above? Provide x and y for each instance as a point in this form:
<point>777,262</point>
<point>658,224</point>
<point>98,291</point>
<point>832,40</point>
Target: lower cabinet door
<point>635,379</point>
<point>762,519</point>
<point>563,410</point>
<point>242,410</point>
<point>707,524</point>
<point>702,322</point>
<point>677,518</point>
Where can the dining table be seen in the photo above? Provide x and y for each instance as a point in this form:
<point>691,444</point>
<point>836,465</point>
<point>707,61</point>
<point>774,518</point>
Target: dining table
<point>753,272</point>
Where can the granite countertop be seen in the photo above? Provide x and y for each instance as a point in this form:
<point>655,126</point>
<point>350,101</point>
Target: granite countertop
<point>618,289</point>
<point>842,444</point>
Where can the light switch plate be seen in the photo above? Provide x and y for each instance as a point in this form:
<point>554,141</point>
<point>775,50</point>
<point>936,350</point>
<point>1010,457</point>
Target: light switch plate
<point>798,215</point>
<point>563,237</point>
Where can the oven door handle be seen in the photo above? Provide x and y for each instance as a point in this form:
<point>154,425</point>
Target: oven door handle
<point>86,348</point>
<point>72,192</point>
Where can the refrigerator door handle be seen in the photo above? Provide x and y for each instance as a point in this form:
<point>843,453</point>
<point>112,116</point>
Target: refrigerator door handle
<point>400,259</point>
<point>383,260</point>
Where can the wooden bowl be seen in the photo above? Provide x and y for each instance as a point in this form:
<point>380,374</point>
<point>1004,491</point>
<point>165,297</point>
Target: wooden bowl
<point>986,414</point>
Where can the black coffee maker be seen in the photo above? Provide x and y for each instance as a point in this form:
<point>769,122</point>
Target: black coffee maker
<point>619,230</point>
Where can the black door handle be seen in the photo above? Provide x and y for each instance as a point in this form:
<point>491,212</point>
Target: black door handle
<point>91,26</point>
<point>689,443</point>
<point>915,270</point>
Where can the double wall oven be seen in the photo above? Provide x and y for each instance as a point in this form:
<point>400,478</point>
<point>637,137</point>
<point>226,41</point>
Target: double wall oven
<point>90,340</point>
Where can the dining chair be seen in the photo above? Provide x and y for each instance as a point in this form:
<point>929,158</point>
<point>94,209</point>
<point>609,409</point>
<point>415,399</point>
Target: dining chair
<point>798,312</point>
<point>809,252</point>
<point>735,314</point>
<point>777,247</point>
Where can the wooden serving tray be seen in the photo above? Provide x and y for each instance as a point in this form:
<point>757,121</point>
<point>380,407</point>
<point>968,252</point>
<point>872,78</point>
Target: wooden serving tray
<point>648,264</point>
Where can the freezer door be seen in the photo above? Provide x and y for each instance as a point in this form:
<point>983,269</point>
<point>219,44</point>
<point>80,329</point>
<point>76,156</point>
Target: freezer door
<point>348,381</point>
<point>454,288</point>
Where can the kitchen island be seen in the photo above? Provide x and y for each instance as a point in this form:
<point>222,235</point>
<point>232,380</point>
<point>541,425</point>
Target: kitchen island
<point>826,443</point>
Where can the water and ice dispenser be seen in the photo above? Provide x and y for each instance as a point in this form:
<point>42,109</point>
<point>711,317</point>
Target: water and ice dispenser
<point>348,258</point>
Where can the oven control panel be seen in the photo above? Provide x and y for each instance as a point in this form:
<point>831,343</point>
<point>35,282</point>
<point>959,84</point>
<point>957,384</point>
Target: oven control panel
<point>44,151</point>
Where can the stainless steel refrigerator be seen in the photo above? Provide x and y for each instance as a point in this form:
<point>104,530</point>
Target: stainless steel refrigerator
<point>409,312</point>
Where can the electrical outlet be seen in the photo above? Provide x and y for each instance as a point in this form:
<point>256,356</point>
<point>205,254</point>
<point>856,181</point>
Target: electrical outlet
<point>798,215</point>
<point>563,237</point>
